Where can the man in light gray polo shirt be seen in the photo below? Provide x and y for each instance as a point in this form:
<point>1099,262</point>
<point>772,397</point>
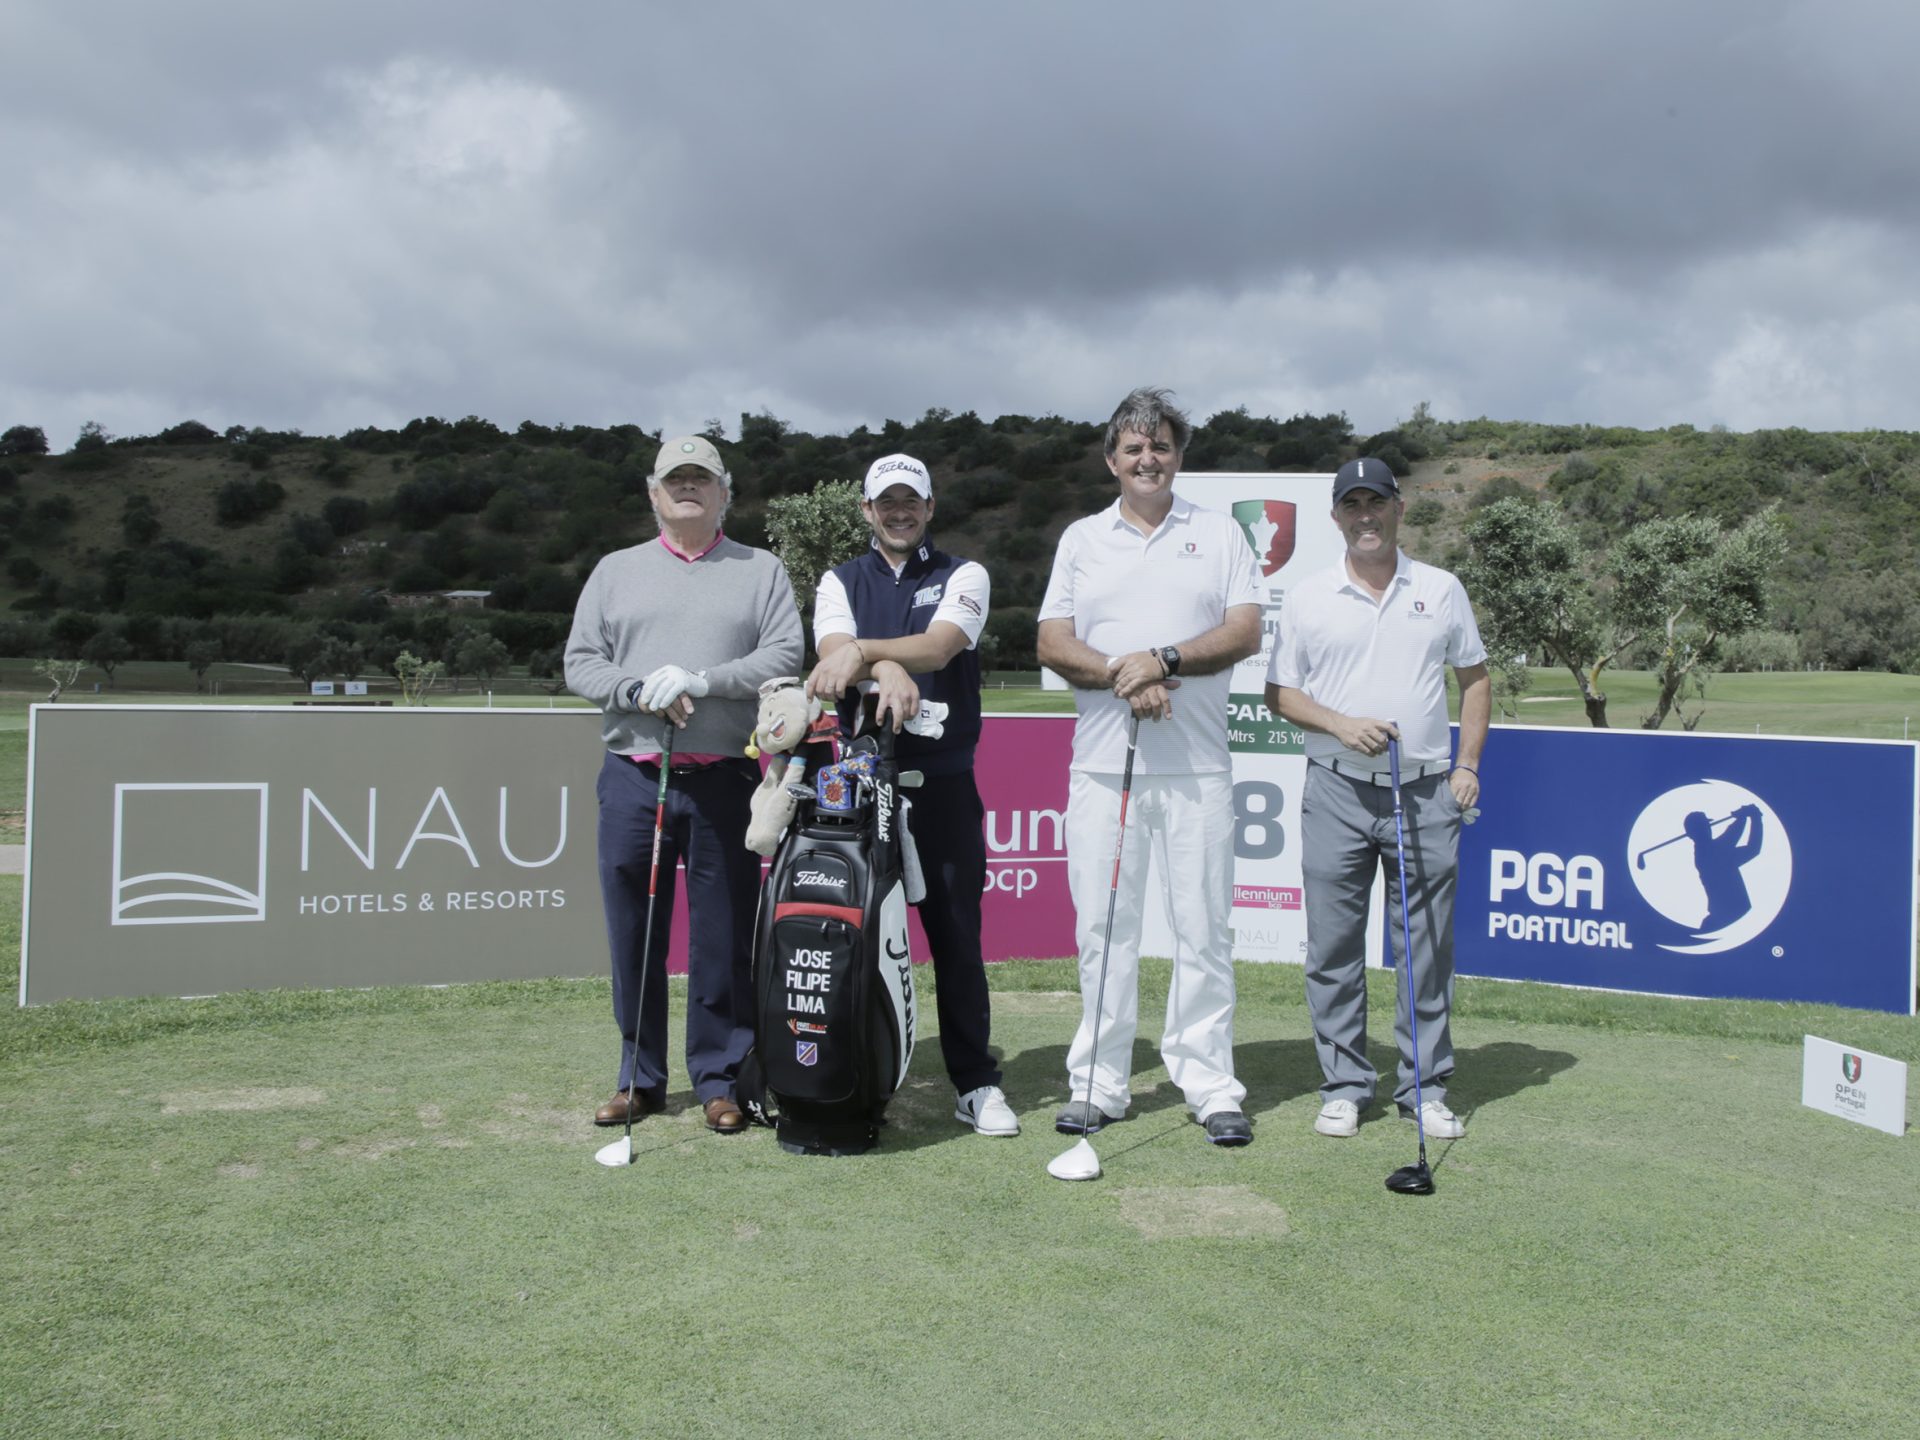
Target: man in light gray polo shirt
<point>678,634</point>
<point>1150,595</point>
<point>1361,658</point>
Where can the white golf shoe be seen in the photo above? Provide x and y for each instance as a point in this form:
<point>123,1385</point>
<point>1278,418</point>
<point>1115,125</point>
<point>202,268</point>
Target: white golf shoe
<point>987,1111</point>
<point>1439,1122</point>
<point>1338,1118</point>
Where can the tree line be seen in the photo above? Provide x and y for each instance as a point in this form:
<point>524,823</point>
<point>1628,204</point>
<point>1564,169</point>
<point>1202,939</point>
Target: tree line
<point>278,547</point>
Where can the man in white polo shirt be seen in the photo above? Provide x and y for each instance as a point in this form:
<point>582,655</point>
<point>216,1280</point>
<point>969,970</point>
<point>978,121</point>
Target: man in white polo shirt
<point>1152,596</point>
<point>1361,658</point>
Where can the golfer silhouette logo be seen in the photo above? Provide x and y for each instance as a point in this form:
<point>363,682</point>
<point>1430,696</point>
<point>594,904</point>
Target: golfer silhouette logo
<point>1713,858</point>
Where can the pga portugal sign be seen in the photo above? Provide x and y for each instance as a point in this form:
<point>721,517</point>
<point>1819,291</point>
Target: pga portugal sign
<point>1717,866</point>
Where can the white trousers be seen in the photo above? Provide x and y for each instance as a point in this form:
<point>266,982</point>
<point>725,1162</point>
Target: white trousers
<point>1185,822</point>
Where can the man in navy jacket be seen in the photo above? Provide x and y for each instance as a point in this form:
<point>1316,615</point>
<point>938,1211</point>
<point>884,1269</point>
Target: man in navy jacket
<point>903,619</point>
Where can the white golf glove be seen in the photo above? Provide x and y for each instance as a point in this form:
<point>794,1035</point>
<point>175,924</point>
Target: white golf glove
<point>669,683</point>
<point>928,722</point>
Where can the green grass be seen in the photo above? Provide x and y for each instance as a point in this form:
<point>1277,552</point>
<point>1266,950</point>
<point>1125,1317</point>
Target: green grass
<point>1867,706</point>
<point>375,1213</point>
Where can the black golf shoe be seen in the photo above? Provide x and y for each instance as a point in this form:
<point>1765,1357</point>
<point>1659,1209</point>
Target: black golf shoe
<point>1082,1117</point>
<point>1228,1127</point>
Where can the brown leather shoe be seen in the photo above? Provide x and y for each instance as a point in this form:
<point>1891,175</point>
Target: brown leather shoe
<point>724,1117</point>
<point>641,1102</point>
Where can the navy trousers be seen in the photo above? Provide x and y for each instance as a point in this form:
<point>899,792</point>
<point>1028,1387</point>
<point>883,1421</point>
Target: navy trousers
<point>706,828</point>
<point>947,820</point>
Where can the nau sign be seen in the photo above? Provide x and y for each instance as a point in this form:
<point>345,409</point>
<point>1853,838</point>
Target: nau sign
<point>1694,865</point>
<point>188,850</point>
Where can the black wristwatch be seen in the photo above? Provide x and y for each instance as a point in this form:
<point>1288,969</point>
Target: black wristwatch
<point>1169,657</point>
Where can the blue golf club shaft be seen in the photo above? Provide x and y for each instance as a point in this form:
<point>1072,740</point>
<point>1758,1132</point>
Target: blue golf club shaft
<point>1406,940</point>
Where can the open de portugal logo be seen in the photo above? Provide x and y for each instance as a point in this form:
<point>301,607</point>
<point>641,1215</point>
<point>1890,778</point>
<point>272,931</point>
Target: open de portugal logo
<point>1850,1067</point>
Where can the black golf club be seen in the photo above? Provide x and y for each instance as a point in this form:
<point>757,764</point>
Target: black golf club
<point>620,1152</point>
<point>1414,1179</point>
<point>1081,1163</point>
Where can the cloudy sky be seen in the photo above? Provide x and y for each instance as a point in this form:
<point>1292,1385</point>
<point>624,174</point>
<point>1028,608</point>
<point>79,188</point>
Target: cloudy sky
<point>1635,212</point>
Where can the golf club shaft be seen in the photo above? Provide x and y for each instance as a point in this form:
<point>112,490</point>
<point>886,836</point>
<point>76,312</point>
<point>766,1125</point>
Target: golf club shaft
<point>1113,894</point>
<point>1406,940</point>
<point>646,941</point>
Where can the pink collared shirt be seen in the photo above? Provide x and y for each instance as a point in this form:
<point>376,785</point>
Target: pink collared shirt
<point>698,757</point>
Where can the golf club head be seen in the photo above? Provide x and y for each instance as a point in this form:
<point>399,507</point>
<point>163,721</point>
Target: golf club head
<point>1411,1180</point>
<point>1079,1163</point>
<point>619,1153</point>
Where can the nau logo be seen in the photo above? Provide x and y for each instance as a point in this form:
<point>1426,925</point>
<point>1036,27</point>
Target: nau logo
<point>1713,858</point>
<point>1268,526</point>
<point>223,827</point>
<point>1850,1068</point>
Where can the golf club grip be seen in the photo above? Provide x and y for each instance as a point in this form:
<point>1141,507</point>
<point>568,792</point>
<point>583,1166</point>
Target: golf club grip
<point>1126,794</point>
<point>659,822</point>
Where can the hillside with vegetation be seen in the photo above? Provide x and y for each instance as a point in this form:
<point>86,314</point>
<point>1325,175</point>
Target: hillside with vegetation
<point>276,547</point>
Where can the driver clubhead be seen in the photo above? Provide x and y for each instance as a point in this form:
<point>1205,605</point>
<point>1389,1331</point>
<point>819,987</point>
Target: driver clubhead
<point>1411,1180</point>
<point>619,1153</point>
<point>1079,1163</point>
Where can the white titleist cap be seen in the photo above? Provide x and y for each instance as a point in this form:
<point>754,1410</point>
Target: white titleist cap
<point>897,470</point>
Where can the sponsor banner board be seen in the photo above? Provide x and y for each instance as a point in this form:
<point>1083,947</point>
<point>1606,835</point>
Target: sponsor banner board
<point>1856,1085</point>
<point>1679,864</point>
<point>194,849</point>
<point>1021,769</point>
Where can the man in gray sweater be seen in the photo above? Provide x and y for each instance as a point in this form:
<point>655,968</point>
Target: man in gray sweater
<point>681,631</point>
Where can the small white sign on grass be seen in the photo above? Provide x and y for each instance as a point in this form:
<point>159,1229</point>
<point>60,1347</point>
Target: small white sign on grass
<point>321,687</point>
<point>1855,1085</point>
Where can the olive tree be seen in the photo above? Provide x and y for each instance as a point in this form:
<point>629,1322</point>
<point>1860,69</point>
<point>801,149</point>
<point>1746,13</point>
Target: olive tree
<point>1675,588</point>
<point>814,532</point>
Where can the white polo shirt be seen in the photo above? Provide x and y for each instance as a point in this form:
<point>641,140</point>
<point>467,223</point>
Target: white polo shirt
<point>1386,660</point>
<point>1125,591</point>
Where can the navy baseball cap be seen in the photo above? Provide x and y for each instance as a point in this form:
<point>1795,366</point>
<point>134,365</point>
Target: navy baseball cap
<point>1365,474</point>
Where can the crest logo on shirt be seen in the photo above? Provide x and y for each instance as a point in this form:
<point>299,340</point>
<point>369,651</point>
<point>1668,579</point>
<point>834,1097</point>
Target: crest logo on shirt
<point>1268,526</point>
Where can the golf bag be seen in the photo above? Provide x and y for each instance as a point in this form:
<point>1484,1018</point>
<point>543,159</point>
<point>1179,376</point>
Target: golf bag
<point>833,983</point>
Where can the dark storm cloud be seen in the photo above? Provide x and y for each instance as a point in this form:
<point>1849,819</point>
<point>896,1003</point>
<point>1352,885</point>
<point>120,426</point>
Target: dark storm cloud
<point>1629,212</point>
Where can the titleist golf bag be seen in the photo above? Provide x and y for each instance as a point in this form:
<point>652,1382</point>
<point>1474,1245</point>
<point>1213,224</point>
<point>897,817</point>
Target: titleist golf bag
<point>832,979</point>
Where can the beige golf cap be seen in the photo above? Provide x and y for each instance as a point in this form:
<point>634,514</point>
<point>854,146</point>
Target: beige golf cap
<point>891,470</point>
<point>688,450</point>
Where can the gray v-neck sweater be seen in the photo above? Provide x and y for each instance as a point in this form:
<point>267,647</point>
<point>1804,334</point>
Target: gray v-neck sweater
<point>730,613</point>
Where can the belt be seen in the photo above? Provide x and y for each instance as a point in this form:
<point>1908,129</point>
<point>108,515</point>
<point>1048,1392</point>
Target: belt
<point>696,767</point>
<point>1408,773</point>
